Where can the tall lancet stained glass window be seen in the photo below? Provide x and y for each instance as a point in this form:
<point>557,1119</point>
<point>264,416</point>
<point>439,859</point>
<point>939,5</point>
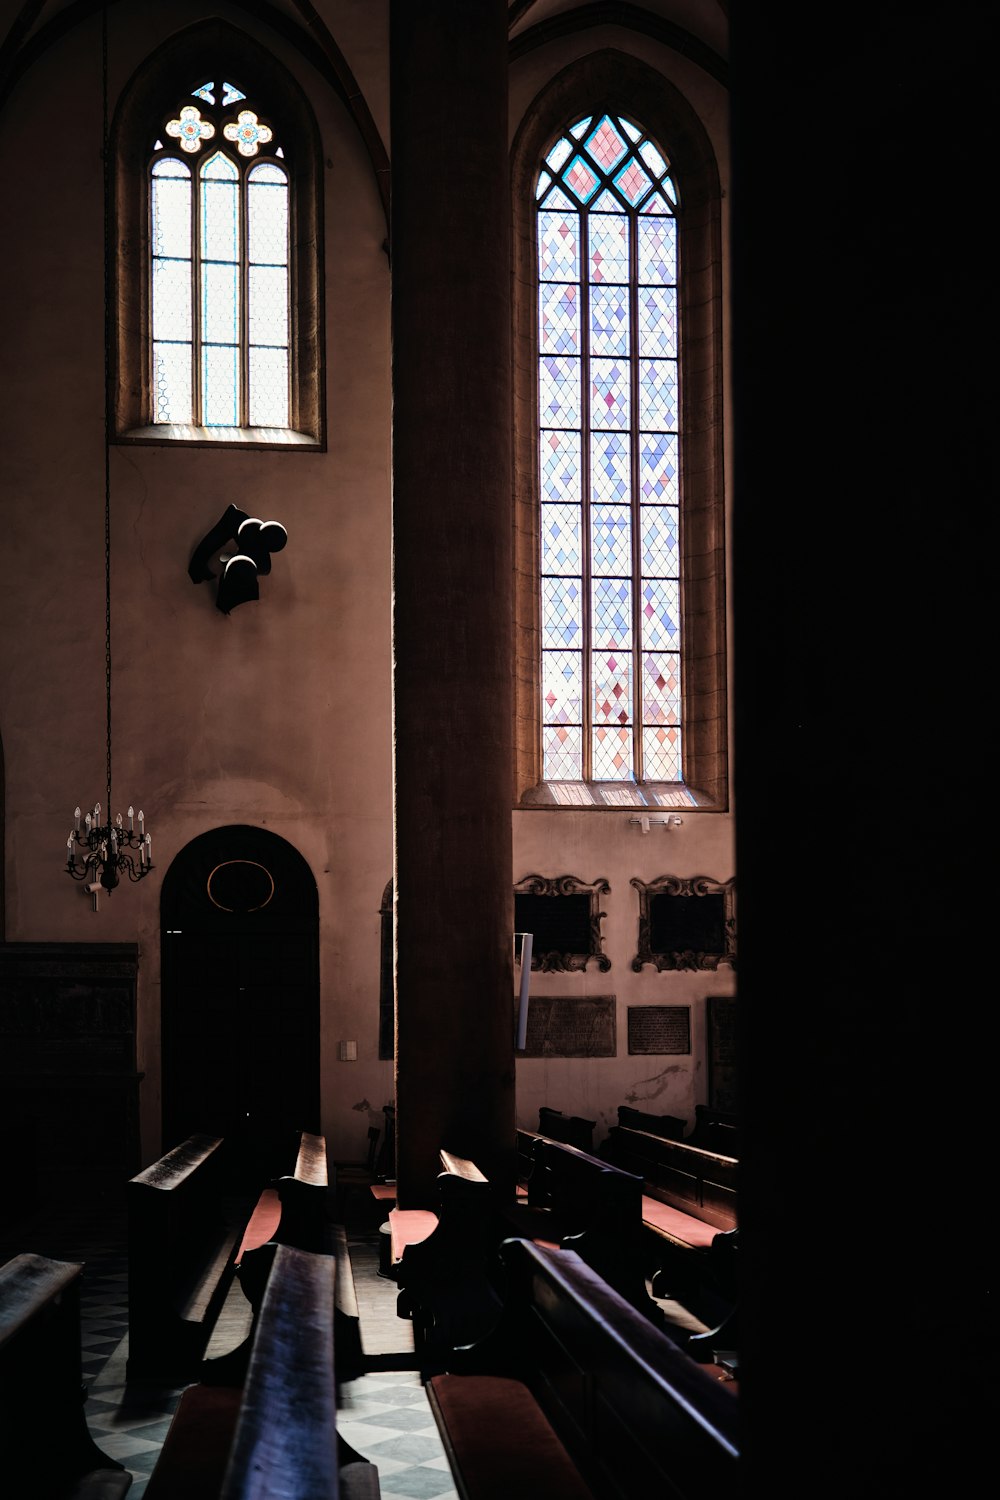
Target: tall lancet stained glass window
<point>609,463</point>
<point>220,292</point>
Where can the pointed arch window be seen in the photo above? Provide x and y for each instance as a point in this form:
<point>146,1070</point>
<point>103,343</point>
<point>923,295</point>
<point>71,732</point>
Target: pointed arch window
<point>609,459</point>
<point>219,266</point>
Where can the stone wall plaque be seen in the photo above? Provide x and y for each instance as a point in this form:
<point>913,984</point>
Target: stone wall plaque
<point>722,1052</point>
<point>659,1029</point>
<point>560,1026</point>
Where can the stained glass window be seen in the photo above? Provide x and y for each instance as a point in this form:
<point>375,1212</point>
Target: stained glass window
<point>609,459</point>
<point>219,275</point>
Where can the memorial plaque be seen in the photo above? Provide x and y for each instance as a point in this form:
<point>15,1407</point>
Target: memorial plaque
<point>659,1029</point>
<point>722,1057</point>
<point>563,1027</point>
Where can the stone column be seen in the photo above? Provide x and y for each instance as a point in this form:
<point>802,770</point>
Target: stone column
<point>452,589</point>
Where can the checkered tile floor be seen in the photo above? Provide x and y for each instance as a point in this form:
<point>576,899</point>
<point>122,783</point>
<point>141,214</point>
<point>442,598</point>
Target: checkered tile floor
<point>384,1414</point>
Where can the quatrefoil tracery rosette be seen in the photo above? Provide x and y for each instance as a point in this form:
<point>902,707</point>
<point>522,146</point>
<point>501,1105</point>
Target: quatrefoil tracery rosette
<point>190,129</point>
<point>248,133</point>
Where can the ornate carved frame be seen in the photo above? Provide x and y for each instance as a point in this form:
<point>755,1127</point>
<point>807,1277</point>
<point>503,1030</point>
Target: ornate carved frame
<point>676,885</point>
<point>569,885</point>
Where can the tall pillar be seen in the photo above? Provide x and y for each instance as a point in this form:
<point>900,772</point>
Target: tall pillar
<point>452,590</point>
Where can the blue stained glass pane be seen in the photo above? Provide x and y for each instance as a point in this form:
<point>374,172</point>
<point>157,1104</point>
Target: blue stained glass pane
<point>611,540</point>
<point>659,467</point>
<point>560,153</point>
<point>562,753</point>
<point>609,320</point>
<point>657,251</point>
<point>661,749</point>
<point>612,754</point>
<point>652,158</point>
<point>630,130</point>
<point>661,687</point>
<point>611,613</point>
<point>609,393</point>
<point>611,687</point>
<point>543,181</point>
<point>657,394</point>
<point>658,321</point>
<point>558,318</point>
<point>660,541</point>
<point>559,465</point>
<point>562,613</point>
<point>206,92</point>
<point>559,391</point>
<point>558,242</point>
<point>581,127</point>
<point>661,616</point>
<point>220,303</point>
<point>220,385</point>
<point>610,465</point>
<point>608,248</point>
<point>230,93</point>
<point>562,687</point>
<point>561,539</point>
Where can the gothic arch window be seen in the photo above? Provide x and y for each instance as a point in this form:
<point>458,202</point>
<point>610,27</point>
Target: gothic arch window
<point>620,599</point>
<point>219,325</point>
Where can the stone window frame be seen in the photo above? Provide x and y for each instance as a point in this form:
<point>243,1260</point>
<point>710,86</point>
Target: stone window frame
<point>614,81</point>
<point>168,71</point>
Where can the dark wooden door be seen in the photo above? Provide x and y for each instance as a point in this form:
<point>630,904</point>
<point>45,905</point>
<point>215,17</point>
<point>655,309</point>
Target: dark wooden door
<point>240,995</point>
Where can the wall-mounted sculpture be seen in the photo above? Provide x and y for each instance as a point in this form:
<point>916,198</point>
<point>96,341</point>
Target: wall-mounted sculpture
<point>254,542</point>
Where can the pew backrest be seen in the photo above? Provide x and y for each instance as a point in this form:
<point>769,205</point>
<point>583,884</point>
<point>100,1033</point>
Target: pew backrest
<point>573,1129</point>
<point>701,1183</point>
<point>638,1415</point>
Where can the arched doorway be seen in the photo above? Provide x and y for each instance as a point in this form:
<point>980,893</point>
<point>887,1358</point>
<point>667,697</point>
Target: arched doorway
<point>240,995</point>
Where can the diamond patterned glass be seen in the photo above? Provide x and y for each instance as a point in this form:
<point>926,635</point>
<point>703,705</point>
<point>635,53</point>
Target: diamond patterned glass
<point>659,468</point>
<point>611,613</point>
<point>559,461</point>
<point>661,687</point>
<point>610,466</point>
<point>562,613</point>
<point>661,750</point>
<point>609,320</point>
<point>657,251</point>
<point>657,394</point>
<point>611,681</point>
<point>661,556</point>
<point>558,246</point>
<point>559,391</point>
<point>609,248</point>
<point>612,754</point>
<point>562,687</point>
<point>561,540</point>
<point>611,540</point>
<point>658,321</point>
<point>562,753</point>
<point>660,611</point>
<point>610,395</point>
<point>610,479</point>
<point>559,319</point>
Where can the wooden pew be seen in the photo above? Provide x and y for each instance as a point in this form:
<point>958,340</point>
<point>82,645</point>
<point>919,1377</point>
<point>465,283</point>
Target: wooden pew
<point>46,1450</point>
<point>715,1130</point>
<point>276,1435</point>
<point>296,1209</point>
<point>689,1213</point>
<point>577,1395</point>
<point>183,1239</point>
<point>573,1129</point>
<point>670,1127</point>
<point>441,1261</point>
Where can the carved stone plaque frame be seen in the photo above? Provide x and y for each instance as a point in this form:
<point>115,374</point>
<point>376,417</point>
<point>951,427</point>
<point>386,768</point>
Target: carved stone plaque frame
<point>554,960</point>
<point>682,957</point>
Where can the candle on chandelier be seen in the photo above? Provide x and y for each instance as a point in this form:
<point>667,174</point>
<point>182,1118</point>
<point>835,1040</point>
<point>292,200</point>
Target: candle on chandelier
<point>131,820</point>
<point>76,815</point>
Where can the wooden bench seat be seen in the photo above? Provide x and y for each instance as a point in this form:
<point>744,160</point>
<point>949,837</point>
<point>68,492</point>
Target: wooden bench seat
<point>577,1395</point>
<point>45,1446</point>
<point>276,1435</point>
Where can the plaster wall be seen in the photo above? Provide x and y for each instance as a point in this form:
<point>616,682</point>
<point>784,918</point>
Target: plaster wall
<point>280,714</point>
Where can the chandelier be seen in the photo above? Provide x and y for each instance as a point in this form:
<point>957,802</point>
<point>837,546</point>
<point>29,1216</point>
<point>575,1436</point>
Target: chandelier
<point>105,852</point>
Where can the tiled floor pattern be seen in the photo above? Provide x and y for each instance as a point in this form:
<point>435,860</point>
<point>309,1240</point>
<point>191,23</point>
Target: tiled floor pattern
<point>384,1415</point>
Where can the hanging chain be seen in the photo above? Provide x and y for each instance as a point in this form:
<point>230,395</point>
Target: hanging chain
<point>106,158</point>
